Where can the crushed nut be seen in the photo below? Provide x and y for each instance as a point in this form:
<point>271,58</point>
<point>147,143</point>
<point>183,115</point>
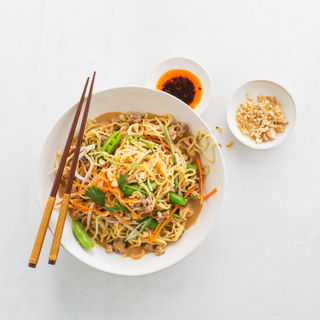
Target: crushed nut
<point>219,128</point>
<point>261,120</point>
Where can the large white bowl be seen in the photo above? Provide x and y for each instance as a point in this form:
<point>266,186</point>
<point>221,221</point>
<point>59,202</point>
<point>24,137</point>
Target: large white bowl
<point>142,100</point>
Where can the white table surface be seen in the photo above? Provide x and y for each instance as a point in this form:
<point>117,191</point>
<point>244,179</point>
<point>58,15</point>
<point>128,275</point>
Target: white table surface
<point>261,261</point>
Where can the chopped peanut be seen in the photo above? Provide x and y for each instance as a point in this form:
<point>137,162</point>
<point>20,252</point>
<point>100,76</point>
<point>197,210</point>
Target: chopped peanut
<point>261,120</point>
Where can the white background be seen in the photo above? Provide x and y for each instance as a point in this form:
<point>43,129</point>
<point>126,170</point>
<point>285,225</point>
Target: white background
<point>261,261</point>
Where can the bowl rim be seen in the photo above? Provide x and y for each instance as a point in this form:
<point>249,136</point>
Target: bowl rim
<point>203,106</point>
<point>37,178</point>
<point>266,146</point>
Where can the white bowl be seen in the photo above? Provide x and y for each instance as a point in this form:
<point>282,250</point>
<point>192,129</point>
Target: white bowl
<point>185,64</point>
<point>142,100</point>
<point>269,88</point>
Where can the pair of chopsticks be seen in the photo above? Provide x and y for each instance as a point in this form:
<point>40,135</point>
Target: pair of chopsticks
<point>66,198</point>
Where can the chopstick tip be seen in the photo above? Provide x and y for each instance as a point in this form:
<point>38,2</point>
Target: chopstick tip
<point>51,262</point>
<point>32,265</point>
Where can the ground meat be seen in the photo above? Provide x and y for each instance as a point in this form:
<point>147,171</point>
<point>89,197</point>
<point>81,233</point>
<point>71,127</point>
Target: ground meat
<point>144,204</point>
<point>65,176</point>
<point>184,148</point>
<point>133,118</point>
<point>150,247</point>
<point>162,215</point>
<point>197,187</point>
<point>109,248</point>
<point>160,250</point>
<point>177,131</point>
<point>103,139</point>
<point>118,245</point>
<point>163,147</point>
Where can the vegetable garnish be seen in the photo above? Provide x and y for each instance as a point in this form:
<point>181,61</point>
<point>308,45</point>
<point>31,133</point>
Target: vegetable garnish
<point>210,194</point>
<point>201,182</point>
<point>144,224</point>
<point>138,216</point>
<point>177,199</point>
<point>129,189</point>
<point>147,144</point>
<point>134,144</point>
<point>120,207</point>
<point>191,166</point>
<point>124,221</point>
<point>117,162</point>
<point>156,232</point>
<point>128,136</point>
<point>179,217</point>
<point>81,235</point>
<point>122,182</point>
<point>109,199</point>
<point>78,206</point>
<point>166,132</point>
<point>139,160</point>
<point>112,142</point>
<point>110,209</point>
<point>157,141</point>
<point>96,195</point>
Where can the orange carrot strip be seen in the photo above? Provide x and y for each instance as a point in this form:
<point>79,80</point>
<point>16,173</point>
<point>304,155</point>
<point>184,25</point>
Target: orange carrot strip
<point>130,201</point>
<point>132,211</point>
<point>124,221</point>
<point>78,193</point>
<point>188,192</point>
<point>158,141</point>
<point>81,207</point>
<point>201,183</point>
<point>111,204</point>
<point>108,189</point>
<point>156,232</point>
<point>210,194</point>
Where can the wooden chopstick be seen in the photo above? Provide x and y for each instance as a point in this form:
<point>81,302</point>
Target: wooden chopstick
<point>66,197</point>
<point>52,198</point>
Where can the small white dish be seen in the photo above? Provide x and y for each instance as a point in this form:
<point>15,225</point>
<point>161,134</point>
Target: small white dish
<point>185,64</point>
<point>142,100</point>
<point>267,88</point>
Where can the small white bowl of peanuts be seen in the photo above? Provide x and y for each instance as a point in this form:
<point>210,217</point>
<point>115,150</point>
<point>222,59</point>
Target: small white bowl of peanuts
<point>261,114</point>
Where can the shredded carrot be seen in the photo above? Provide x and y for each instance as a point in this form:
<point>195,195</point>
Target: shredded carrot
<point>78,193</point>
<point>80,206</point>
<point>110,189</point>
<point>102,178</point>
<point>130,201</point>
<point>210,194</point>
<point>156,232</point>
<point>148,137</point>
<point>124,221</point>
<point>81,185</point>
<point>132,211</point>
<point>188,192</point>
<point>200,177</point>
<point>111,204</point>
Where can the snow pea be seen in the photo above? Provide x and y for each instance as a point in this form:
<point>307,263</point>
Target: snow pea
<point>81,235</point>
<point>191,166</point>
<point>177,199</point>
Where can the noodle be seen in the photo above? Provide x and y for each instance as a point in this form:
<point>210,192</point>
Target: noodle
<point>143,166</point>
